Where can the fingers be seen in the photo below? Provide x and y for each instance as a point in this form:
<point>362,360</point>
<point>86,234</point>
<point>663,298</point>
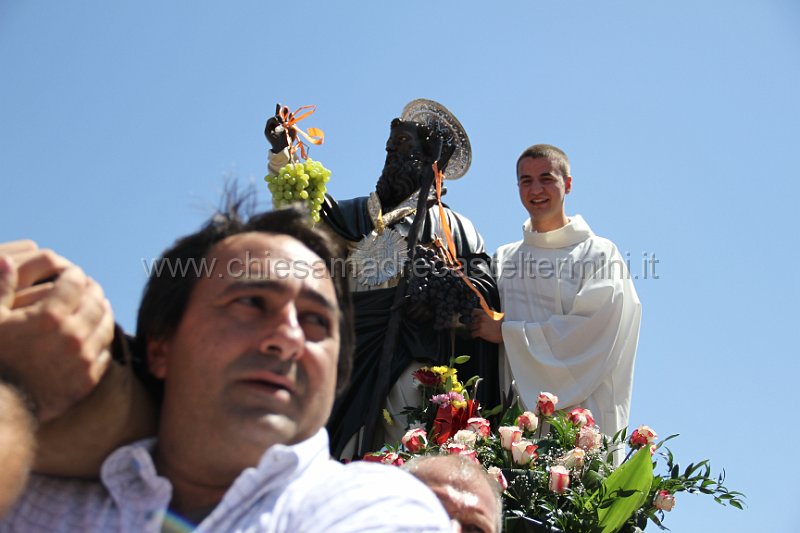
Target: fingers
<point>32,295</point>
<point>93,309</point>
<point>8,281</point>
<point>68,291</point>
<point>16,247</point>
<point>38,265</point>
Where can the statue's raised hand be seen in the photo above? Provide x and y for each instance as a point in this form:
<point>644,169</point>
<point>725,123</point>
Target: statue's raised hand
<point>276,132</point>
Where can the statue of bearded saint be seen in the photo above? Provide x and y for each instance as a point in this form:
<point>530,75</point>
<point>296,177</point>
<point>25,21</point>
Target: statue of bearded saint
<point>374,230</point>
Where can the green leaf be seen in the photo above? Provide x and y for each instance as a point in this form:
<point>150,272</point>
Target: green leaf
<point>460,360</point>
<point>493,411</point>
<point>471,381</point>
<point>633,479</point>
<point>510,416</point>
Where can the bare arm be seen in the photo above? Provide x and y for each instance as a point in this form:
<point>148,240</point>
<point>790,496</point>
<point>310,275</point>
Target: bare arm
<point>55,338</point>
<point>16,445</point>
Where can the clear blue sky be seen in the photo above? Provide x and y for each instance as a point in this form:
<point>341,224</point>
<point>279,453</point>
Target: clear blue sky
<point>119,124</point>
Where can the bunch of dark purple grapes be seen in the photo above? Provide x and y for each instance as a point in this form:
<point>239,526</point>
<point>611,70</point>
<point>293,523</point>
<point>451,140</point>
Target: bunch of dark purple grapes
<point>434,283</point>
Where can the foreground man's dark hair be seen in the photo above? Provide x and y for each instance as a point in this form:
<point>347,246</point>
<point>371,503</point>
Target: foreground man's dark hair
<point>167,292</point>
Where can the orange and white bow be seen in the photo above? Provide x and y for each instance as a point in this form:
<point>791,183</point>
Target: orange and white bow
<point>290,119</point>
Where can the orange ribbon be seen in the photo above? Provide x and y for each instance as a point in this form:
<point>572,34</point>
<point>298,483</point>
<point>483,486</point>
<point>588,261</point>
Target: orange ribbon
<point>451,247</point>
<point>289,120</point>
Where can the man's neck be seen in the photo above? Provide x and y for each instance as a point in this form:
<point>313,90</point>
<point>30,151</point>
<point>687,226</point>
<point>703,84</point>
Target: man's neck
<point>543,226</point>
<point>193,496</point>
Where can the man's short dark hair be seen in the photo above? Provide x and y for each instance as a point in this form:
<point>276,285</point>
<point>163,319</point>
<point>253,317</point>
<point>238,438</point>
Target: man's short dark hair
<point>547,151</point>
<point>168,290</point>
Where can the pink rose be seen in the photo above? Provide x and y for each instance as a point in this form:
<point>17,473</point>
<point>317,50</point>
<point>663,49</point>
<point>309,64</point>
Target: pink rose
<point>589,438</point>
<point>664,501</point>
<point>546,404</point>
<point>415,440</point>
<point>509,435</point>
<point>581,417</point>
<point>497,474</point>
<point>574,458</point>
<point>524,452</point>
<point>455,448</point>
<point>559,479</point>
<point>528,422</point>
<point>388,458</point>
<point>480,426</point>
<point>642,436</point>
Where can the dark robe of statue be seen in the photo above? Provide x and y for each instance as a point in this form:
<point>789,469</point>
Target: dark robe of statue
<point>407,157</point>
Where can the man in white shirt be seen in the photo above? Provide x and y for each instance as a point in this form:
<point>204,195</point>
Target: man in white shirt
<point>245,350</point>
<point>572,315</point>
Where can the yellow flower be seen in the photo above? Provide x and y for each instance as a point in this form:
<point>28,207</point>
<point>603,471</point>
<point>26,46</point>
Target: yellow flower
<point>457,386</point>
<point>440,370</point>
<point>459,404</point>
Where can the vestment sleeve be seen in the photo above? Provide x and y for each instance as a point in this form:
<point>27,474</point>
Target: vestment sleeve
<point>571,354</point>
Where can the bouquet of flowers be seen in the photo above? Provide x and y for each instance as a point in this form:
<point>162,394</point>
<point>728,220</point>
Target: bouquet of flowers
<point>557,470</point>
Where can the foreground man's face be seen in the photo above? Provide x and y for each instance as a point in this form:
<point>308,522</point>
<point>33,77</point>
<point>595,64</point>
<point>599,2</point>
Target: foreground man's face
<point>253,362</point>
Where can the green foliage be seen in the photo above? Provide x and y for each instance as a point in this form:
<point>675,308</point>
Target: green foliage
<point>624,491</point>
<point>602,496</point>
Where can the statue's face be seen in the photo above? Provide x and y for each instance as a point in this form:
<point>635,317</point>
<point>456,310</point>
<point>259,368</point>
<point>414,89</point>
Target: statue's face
<point>405,162</point>
<point>404,139</point>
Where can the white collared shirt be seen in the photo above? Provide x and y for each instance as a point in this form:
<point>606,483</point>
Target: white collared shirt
<point>293,489</point>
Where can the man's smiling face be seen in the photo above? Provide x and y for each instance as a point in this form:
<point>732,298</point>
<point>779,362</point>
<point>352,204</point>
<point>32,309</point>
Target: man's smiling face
<point>542,189</point>
<point>253,361</point>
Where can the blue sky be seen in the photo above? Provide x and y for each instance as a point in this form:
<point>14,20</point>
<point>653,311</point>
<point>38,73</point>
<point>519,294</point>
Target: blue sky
<point>119,123</point>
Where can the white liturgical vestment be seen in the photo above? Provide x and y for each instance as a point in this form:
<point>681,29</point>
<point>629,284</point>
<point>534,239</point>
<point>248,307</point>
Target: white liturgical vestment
<point>571,320</point>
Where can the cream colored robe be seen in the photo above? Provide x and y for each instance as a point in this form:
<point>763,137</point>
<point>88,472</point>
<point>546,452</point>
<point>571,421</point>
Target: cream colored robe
<point>571,321</point>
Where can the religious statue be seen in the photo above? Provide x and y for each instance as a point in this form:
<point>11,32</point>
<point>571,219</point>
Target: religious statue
<point>376,231</point>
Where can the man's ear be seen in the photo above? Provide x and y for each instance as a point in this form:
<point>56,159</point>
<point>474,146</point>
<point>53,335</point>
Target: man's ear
<point>157,358</point>
<point>567,184</point>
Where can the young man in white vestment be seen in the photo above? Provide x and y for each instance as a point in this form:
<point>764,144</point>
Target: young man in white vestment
<point>247,358</point>
<point>571,323</point>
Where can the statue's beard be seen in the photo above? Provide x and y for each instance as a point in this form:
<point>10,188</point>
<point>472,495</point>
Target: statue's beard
<point>400,179</point>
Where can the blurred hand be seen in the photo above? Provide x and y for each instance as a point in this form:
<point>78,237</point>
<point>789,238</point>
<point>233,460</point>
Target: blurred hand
<point>485,328</point>
<point>54,336</point>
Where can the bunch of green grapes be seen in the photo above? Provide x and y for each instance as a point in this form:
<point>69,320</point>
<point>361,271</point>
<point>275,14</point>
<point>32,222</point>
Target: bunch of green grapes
<point>300,182</point>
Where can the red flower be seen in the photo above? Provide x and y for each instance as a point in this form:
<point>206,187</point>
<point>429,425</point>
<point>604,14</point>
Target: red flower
<point>546,404</point>
<point>524,452</point>
<point>642,436</point>
<point>427,378</point>
<point>581,417</point>
<point>387,458</point>
<point>415,439</point>
<point>664,501</point>
<point>449,420</point>
<point>454,448</point>
<point>498,475</point>
<point>480,426</point>
<point>528,422</point>
<point>559,479</point>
